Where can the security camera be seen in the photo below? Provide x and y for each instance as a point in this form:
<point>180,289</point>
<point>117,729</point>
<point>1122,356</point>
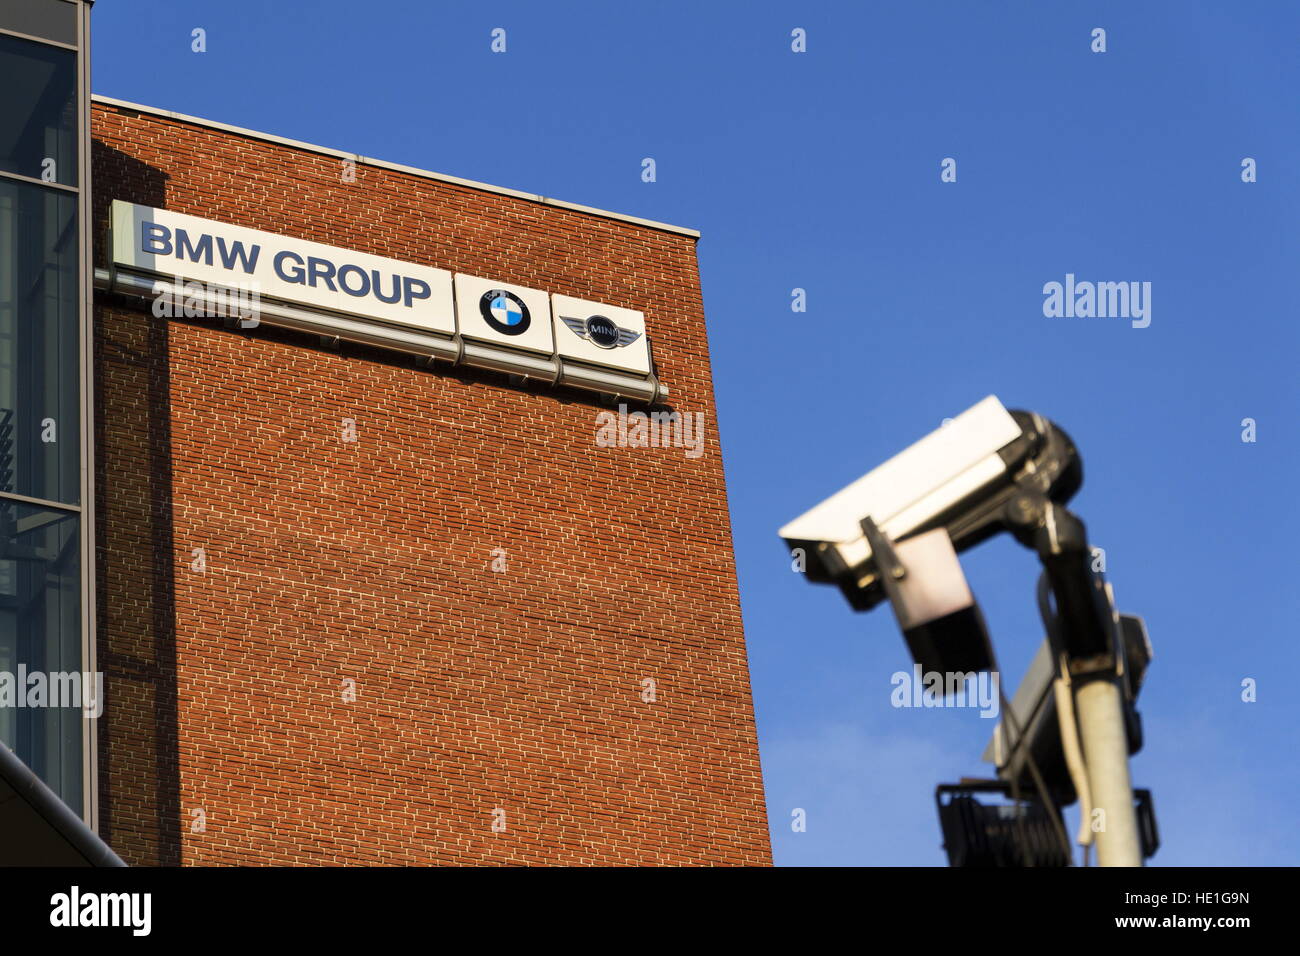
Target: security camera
<point>960,478</point>
<point>895,534</point>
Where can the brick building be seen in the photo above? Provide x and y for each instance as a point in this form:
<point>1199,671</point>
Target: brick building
<point>354,604</point>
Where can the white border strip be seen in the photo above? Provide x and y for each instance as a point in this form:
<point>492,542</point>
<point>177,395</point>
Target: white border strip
<point>396,167</point>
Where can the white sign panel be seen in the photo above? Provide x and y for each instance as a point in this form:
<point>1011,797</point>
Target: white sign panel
<point>171,244</point>
<point>504,314</point>
<point>601,334</point>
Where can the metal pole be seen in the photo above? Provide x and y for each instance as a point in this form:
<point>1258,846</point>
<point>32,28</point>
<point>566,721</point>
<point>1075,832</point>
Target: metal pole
<point>1100,708</point>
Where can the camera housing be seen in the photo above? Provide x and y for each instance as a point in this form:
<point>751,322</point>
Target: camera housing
<point>959,477</point>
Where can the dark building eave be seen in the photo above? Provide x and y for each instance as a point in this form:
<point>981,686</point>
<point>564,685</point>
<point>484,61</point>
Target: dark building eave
<point>37,828</point>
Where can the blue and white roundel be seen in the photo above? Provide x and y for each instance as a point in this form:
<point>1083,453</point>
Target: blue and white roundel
<point>504,311</point>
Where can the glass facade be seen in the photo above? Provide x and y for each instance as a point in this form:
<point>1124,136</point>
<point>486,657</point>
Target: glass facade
<point>38,113</point>
<point>40,632</point>
<point>46,634</point>
<point>39,329</point>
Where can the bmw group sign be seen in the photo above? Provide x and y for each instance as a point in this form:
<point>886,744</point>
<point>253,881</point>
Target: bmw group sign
<point>171,244</point>
<point>590,343</point>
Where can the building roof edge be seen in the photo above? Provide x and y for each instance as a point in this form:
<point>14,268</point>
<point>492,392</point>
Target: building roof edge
<point>396,167</point>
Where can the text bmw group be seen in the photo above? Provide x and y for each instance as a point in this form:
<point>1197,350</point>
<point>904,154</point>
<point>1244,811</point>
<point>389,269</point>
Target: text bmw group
<point>159,240</point>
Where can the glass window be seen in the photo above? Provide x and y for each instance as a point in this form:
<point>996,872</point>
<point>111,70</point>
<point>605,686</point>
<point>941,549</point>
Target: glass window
<point>39,368</point>
<point>49,19</point>
<point>38,110</point>
<point>40,633</point>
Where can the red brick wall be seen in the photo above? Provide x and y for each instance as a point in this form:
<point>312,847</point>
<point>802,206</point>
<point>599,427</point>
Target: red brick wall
<point>372,561</point>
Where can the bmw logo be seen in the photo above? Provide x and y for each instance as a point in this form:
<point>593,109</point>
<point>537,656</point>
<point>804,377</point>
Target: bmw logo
<point>601,331</point>
<point>505,312</point>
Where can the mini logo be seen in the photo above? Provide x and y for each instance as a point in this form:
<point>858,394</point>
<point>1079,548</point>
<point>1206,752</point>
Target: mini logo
<point>505,312</point>
<point>600,331</point>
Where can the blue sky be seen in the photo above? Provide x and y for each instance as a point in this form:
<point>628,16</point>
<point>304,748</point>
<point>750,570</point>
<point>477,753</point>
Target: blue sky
<point>821,171</point>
